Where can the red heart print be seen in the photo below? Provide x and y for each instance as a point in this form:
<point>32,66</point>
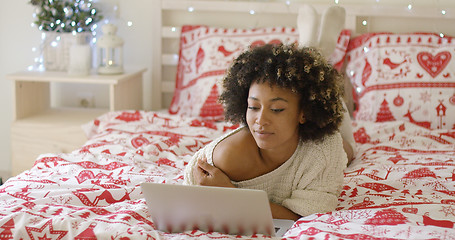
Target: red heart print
<point>434,64</point>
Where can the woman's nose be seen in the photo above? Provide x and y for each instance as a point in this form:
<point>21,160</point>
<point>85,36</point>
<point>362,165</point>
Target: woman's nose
<point>262,118</point>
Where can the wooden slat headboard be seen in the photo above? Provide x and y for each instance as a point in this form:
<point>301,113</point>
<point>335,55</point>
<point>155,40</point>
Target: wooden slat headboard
<point>170,15</point>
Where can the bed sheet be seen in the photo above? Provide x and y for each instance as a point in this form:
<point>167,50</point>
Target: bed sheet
<point>400,186</point>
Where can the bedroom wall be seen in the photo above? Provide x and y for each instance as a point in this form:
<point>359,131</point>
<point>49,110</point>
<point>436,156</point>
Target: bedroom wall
<point>18,38</point>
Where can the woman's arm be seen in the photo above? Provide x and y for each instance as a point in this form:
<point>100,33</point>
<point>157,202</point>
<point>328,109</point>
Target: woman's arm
<point>280,212</point>
<point>208,175</point>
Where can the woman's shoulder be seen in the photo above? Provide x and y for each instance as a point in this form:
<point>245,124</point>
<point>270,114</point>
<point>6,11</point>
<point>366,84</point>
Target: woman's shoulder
<point>330,149</point>
<point>236,144</point>
<point>330,140</point>
<point>231,153</point>
<point>331,144</point>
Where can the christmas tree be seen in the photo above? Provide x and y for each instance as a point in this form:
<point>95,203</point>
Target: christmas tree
<point>387,217</point>
<point>6,233</point>
<point>211,105</point>
<point>65,15</point>
<point>384,113</point>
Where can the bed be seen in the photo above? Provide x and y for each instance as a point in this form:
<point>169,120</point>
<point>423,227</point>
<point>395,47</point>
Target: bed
<point>401,184</point>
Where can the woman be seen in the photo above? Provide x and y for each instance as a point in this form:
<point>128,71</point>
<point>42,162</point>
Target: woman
<point>288,101</point>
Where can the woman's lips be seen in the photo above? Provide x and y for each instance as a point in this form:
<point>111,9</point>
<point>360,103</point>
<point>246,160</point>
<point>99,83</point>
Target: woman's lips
<point>263,133</point>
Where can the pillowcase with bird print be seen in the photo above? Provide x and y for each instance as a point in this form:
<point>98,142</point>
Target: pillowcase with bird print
<point>406,77</point>
<point>205,54</point>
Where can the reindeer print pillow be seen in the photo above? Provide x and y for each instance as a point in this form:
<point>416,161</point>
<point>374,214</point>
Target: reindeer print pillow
<point>404,77</point>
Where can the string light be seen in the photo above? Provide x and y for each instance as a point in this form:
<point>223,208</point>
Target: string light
<point>443,12</point>
<point>190,9</point>
<point>57,16</point>
<point>337,1</point>
<point>410,6</point>
<point>252,12</point>
<point>364,22</point>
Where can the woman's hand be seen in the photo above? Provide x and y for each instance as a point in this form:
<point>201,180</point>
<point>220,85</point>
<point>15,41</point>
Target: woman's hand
<point>208,175</point>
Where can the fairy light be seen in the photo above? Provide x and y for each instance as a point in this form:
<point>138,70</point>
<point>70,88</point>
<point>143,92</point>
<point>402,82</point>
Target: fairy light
<point>443,12</point>
<point>337,1</point>
<point>173,29</point>
<point>49,15</point>
<point>364,22</point>
<point>129,23</point>
<point>288,3</point>
<point>410,6</point>
<point>190,9</point>
<point>252,12</point>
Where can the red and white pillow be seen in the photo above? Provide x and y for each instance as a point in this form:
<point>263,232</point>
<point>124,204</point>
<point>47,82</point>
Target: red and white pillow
<point>404,77</point>
<point>205,54</point>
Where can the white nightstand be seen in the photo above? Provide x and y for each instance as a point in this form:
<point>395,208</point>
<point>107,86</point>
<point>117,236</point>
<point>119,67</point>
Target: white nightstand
<point>38,128</point>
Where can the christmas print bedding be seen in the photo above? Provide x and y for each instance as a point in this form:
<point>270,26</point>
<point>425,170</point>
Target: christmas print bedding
<point>401,184</point>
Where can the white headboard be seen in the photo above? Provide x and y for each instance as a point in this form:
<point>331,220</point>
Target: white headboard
<point>170,15</point>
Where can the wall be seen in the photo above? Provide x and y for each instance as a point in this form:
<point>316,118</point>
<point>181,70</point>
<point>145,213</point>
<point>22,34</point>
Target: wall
<point>15,54</point>
<point>18,38</point>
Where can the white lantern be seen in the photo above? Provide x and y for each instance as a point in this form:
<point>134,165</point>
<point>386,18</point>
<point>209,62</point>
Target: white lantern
<point>110,47</point>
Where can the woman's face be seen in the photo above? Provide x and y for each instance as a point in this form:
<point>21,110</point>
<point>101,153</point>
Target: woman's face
<point>273,116</point>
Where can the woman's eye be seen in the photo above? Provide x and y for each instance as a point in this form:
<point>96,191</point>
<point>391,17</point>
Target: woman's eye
<point>252,108</point>
<point>277,110</point>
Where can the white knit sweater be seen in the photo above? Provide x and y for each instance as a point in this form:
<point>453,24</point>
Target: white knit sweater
<point>308,182</point>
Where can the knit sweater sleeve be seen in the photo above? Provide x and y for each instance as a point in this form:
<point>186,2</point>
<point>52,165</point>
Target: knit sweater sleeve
<point>188,178</point>
<point>319,185</point>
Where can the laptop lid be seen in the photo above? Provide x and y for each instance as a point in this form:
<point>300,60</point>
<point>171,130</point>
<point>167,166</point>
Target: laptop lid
<point>178,208</point>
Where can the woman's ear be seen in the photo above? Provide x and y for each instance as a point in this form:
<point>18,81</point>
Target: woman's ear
<point>302,119</point>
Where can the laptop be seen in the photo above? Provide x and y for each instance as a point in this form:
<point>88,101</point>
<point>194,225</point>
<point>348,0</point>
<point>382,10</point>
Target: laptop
<point>235,211</point>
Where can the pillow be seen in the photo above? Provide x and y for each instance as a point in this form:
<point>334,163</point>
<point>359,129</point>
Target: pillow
<point>404,77</point>
<point>205,54</point>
